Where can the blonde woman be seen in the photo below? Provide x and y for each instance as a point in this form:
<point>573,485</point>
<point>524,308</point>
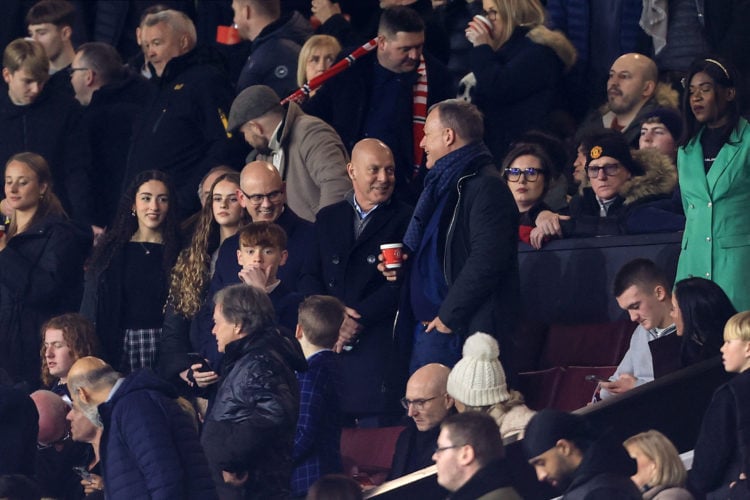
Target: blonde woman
<point>317,55</point>
<point>517,63</point>
<point>661,474</point>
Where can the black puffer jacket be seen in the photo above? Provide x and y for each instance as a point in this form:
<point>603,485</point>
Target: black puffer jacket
<point>250,427</point>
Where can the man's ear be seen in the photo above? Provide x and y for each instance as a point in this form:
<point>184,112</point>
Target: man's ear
<point>466,455</point>
<point>649,88</point>
<point>66,32</point>
<point>84,396</point>
<point>449,136</point>
<point>6,75</point>
<point>298,332</point>
<point>350,170</point>
<point>661,293</point>
<point>381,42</point>
<point>565,447</point>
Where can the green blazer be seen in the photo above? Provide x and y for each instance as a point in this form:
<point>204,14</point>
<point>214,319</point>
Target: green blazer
<point>716,242</point>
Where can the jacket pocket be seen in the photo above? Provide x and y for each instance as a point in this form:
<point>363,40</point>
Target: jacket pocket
<point>734,240</point>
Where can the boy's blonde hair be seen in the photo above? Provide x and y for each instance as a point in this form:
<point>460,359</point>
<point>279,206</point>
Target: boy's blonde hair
<point>738,327</point>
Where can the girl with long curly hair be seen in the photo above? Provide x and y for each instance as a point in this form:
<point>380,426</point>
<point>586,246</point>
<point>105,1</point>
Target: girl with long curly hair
<point>220,218</point>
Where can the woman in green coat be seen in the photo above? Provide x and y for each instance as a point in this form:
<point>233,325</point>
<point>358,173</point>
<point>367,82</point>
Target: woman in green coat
<point>714,173</point>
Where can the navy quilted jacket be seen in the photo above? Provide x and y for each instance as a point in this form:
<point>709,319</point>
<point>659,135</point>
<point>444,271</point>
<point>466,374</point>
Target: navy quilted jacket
<point>150,447</point>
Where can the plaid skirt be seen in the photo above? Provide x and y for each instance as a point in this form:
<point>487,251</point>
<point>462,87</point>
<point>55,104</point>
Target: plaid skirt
<point>140,348</point>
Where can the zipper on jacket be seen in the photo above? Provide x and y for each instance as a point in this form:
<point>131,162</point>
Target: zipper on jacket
<point>451,227</point>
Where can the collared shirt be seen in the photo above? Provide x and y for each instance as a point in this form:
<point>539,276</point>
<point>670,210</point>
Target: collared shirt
<point>604,205</point>
<point>657,333</point>
<point>277,153</point>
<point>114,388</point>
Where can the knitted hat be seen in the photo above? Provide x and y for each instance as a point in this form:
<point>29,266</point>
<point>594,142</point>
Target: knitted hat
<point>670,118</point>
<point>612,144</point>
<point>252,103</point>
<point>549,426</point>
<point>478,379</point>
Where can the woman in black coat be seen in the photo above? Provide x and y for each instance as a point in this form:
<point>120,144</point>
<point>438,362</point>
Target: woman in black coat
<point>41,264</point>
<point>517,63</point>
<point>126,280</point>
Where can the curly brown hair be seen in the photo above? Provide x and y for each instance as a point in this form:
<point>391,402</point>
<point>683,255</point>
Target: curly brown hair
<point>78,333</point>
<point>190,275</point>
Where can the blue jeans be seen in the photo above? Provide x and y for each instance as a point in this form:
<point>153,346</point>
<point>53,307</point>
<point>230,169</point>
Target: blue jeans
<point>434,347</point>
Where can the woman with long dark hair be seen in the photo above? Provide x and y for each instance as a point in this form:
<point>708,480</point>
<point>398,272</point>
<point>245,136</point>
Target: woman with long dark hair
<point>41,264</point>
<point>714,174</point>
<point>700,309</point>
<point>127,278</point>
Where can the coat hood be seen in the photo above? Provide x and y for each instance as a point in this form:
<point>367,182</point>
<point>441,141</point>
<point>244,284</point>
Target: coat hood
<point>557,41</point>
<point>660,178</point>
<point>292,27</point>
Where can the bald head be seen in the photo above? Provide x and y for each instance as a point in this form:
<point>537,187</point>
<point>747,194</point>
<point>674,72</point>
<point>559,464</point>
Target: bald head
<point>52,411</point>
<point>632,82</point>
<point>262,191</point>
<point>373,173</point>
<point>90,380</point>
<point>426,393</point>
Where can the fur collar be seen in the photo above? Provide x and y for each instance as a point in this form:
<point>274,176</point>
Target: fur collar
<point>660,177</point>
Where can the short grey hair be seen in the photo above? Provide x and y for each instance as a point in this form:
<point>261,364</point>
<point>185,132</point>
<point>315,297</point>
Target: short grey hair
<point>246,306</point>
<point>462,117</point>
<point>178,21</point>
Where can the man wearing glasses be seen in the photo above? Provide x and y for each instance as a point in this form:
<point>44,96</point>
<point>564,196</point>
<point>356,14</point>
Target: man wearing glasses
<point>628,194</point>
<point>427,403</point>
<point>470,458</point>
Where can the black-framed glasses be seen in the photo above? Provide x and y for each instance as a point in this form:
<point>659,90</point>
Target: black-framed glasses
<point>490,14</point>
<point>438,449</point>
<point>257,199</point>
<point>72,70</point>
<point>609,170</point>
<point>531,174</point>
<point>417,403</point>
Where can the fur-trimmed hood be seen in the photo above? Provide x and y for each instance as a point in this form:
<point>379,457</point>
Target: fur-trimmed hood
<point>557,41</point>
<point>660,177</point>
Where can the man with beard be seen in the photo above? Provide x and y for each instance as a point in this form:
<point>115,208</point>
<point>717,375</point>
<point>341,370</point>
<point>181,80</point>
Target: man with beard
<point>569,454</point>
<point>631,90</point>
<point>305,150</point>
<point>150,447</point>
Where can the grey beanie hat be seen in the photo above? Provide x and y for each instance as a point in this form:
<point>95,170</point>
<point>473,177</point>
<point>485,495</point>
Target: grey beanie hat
<point>252,103</point>
<point>478,379</point>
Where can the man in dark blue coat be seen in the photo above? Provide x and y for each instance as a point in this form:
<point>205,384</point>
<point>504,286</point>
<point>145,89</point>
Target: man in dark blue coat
<point>463,270</point>
<point>149,447</point>
<point>343,262</point>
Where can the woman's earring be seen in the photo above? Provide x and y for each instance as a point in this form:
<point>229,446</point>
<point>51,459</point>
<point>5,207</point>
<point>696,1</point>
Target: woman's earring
<point>132,212</point>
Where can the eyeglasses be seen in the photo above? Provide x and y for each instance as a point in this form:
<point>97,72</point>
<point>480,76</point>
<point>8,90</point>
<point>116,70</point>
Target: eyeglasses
<point>531,174</point>
<point>72,70</point>
<point>417,403</point>
<point>609,170</point>
<point>438,449</point>
<point>257,199</point>
<point>490,14</point>
<point>40,446</point>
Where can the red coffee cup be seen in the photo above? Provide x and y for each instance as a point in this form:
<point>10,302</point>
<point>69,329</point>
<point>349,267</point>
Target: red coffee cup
<point>392,255</point>
<point>227,35</point>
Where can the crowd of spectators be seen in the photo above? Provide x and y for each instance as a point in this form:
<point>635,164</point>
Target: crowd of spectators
<point>214,344</point>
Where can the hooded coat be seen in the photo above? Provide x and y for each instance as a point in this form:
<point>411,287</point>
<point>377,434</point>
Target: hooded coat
<point>517,85</point>
<point>149,446</point>
<point>642,205</point>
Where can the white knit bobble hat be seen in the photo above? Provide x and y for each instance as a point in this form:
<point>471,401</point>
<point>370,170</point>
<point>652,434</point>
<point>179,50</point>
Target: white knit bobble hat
<point>478,379</point>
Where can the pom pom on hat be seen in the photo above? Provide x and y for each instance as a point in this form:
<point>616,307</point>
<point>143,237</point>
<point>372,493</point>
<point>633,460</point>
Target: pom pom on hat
<point>478,379</point>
